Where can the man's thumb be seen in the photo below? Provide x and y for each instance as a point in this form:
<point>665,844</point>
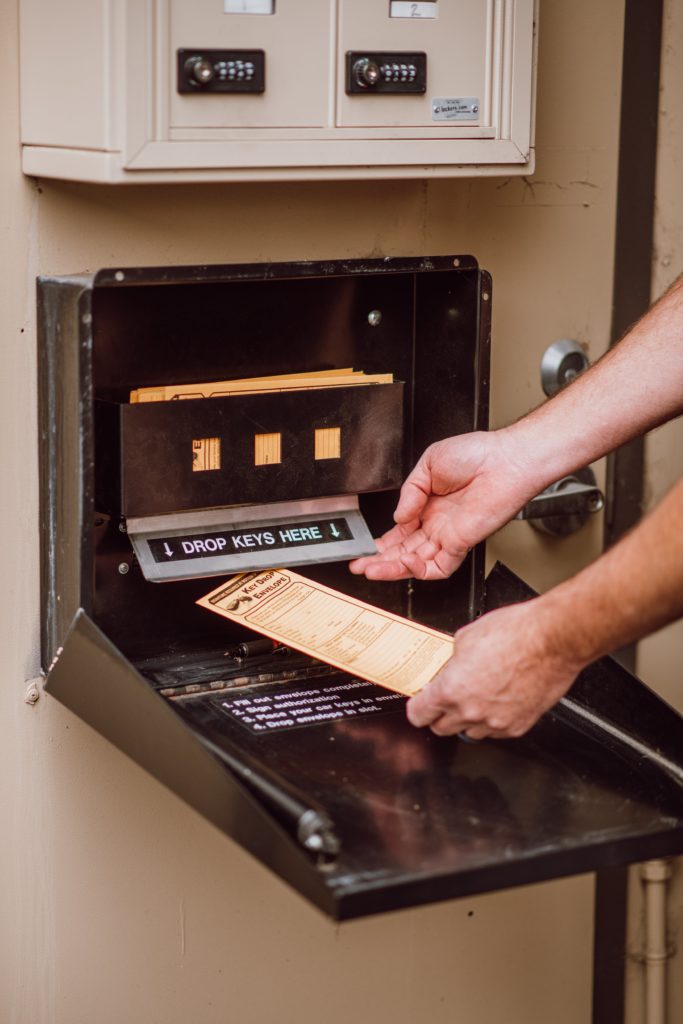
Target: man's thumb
<point>411,502</point>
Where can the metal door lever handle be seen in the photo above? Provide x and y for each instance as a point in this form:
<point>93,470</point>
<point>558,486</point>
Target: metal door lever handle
<point>574,499</point>
<point>565,506</point>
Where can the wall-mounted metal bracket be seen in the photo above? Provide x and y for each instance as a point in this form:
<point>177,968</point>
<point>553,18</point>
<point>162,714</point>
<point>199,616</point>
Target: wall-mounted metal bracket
<point>565,506</point>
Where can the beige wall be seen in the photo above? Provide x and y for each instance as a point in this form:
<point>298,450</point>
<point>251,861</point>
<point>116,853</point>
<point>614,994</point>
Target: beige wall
<point>119,903</point>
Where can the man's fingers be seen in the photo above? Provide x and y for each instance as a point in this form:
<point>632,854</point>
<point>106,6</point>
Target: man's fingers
<point>402,567</point>
<point>453,725</point>
<point>380,567</point>
<point>408,551</point>
<point>445,564</point>
<point>449,725</point>
<point>387,569</point>
<point>438,568</point>
<point>426,706</point>
<point>480,732</point>
<point>427,550</point>
<point>415,566</point>
<point>399,535</point>
<point>389,546</point>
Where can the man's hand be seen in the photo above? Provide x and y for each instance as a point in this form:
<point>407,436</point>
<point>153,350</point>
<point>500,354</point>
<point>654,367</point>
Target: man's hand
<point>505,673</point>
<point>465,488</point>
<point>461,491</point>
<point>512,665</point>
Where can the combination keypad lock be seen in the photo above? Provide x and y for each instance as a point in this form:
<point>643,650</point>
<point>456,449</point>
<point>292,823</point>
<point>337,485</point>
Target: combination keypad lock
<point>221,71</point>
<point>386,72</point>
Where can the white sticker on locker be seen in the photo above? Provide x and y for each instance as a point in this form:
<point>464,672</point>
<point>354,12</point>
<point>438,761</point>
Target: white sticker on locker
<point>249,6</point>
<point>425,9</point>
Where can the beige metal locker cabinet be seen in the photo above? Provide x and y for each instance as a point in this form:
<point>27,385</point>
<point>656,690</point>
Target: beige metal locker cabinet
<point>166,90</point>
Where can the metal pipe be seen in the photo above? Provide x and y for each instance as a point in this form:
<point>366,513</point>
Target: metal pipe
<point>655,875</point>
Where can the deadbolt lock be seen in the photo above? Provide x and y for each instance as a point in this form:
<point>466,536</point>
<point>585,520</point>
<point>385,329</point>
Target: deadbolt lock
<point>560,364</point>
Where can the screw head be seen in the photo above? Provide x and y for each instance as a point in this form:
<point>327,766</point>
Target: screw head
<point>375,317</point>
<point>124,568</point>
<point>32,695</point>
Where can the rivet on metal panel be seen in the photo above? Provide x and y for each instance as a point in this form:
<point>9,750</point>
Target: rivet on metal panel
<point>375,317</point>
<point>124,568</point>
<point>456,263</point>
<point>485,296</point>
<point>119,275</point>
<point>86,319</point>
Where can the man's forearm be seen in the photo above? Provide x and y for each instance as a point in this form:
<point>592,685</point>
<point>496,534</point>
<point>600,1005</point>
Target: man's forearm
<point>632,590</point>
<point>634,387</point>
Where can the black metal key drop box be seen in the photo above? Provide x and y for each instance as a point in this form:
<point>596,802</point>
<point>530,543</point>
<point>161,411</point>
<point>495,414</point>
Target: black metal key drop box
<point>319,775</point>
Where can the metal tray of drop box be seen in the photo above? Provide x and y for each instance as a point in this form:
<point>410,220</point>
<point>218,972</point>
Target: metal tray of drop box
<point>409,818</point>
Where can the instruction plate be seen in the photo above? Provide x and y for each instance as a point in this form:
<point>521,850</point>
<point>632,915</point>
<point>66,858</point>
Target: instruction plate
<point>277,710</point>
